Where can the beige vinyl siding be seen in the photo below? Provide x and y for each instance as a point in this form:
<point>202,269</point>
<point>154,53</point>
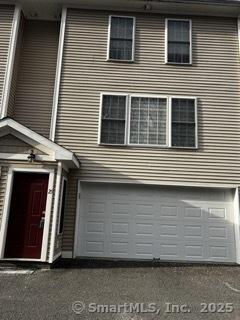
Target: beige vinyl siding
<point>6,20</point>
<point>213,79</point>
<point>37,68</point>
<point>59,237</point>
<point>11,104</point>
<point>3,185</point>
<point>70,212</point>
<point>11,144</point>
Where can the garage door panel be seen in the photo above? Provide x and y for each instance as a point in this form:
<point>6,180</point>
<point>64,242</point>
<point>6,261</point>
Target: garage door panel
<point>93,247</point>
<point>119,209</point>
<point>170,250</point>
<point>195,251</point>
<point>220,232</point>
<point>92,225</point>
<point>93,208</point>
<point>194,213</point>
<point>169,211</point>
<point>120,228</point>
<point>217,213</point>
<point>220,251</point>
<point>146,228</point>
<point>194,231</point>
<point>169,230</point>
<point>145,210</point>
<point>144,249</point>
<point>139,222</point>
<point>118,248</point>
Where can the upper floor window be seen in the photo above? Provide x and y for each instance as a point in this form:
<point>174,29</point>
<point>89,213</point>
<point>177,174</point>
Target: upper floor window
<point>178,41</point>
<point>121,38</point>
<point>148,121</point>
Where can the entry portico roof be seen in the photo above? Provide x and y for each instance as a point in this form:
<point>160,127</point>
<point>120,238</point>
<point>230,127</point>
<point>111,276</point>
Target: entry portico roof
<point>53,151</point>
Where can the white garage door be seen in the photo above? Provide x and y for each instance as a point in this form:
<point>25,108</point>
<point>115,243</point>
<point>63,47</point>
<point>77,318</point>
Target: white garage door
<point>139,222</point>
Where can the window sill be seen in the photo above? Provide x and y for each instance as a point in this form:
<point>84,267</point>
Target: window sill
<point>179,64</point>
<point>184,148</point>
<point>120,61</point>
<point>147,146</point>
<point>111,145</point>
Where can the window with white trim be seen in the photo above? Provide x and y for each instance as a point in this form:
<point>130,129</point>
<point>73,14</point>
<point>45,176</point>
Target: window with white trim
<point>113,119</point>
<point>178,42</point>
<point>148,121</point>
<point>121,38</point>
<point>151,121</point>
<point>183,122</point>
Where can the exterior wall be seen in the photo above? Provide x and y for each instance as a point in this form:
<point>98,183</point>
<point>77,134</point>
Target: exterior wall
<point>6,19</point>
<point>36,78</point>
<point>213,79</point>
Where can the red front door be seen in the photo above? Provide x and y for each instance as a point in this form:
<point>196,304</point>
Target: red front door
<point>26,218</point>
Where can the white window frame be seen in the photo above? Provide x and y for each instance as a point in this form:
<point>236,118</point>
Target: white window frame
<point>166,42</point>
<point>100,117</point>
<point>196,121</point>
<point>109,38</point>
<point>60,206</point>
<point>167,120</point>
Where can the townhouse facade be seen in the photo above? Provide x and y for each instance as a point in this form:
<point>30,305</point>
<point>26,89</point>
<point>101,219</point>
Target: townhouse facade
<point>119,131</point>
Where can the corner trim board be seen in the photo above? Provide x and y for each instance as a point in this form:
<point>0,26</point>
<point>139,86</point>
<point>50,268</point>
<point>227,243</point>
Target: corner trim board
<point>10,61</point>
<point>55,212</point>
<point>58,75</point>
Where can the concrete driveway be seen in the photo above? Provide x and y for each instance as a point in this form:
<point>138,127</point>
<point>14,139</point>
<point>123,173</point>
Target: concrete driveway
<point>194,292</point>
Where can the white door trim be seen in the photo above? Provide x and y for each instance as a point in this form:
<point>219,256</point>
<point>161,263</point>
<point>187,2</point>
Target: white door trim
<point>10,60</point>
<point>6,211</point>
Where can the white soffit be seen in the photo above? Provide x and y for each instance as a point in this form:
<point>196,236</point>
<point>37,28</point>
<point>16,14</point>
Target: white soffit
<point>51,9</point>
